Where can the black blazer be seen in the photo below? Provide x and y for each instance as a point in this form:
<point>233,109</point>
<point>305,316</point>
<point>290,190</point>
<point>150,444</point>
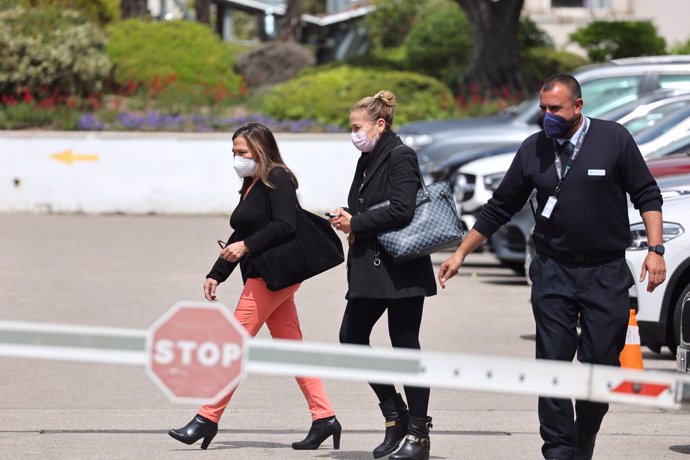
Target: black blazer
<point>390,175</point>
<point>266,218</point>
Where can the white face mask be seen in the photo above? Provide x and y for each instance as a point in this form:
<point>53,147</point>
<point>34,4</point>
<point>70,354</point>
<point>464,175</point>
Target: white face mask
<point>244,167</point>
<point>359,139</point>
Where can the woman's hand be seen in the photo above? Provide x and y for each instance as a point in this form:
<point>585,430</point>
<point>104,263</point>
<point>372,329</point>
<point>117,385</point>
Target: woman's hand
<point>342,221</point>
<point>210,286</point>
<point>234,252</point>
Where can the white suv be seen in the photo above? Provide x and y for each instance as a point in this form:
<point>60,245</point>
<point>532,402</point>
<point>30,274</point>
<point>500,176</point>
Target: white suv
<point>658,313</point>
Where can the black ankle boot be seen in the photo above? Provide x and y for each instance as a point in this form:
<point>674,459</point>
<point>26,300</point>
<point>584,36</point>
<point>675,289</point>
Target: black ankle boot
<point>395,412</point>
<point>320,430</point>
<point>199,427</point>
<point>417,444</point>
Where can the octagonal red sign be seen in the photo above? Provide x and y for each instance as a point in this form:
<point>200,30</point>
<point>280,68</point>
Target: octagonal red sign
<point>196,352</point>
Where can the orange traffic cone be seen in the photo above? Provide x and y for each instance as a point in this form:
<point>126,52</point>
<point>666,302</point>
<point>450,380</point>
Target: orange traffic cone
<point>631,356</point>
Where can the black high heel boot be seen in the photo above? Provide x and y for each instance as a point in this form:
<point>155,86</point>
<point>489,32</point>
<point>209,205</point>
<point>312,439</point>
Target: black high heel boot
<point>417,445</point>
<point>395,412</point>
<point>199,427</point>
<point>320,430</point>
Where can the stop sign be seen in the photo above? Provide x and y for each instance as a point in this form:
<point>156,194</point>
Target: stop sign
<point>196,351</point>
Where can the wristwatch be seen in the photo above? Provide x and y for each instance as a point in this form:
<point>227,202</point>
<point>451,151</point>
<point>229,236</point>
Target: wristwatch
<point>659,249</point>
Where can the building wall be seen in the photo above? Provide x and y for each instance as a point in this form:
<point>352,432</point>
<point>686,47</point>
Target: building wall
<point>669,17</point>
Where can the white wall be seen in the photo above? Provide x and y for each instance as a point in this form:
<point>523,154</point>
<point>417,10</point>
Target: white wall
<point>157,173</point>
<point>669,16</point>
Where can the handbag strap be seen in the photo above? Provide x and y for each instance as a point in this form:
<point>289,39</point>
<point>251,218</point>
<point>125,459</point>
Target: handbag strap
<point>425,191</point>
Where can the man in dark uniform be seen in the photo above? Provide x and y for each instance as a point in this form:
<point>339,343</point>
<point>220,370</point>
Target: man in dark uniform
<point>582,169</point>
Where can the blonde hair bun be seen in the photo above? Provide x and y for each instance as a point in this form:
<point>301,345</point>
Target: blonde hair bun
<point>386,97</point>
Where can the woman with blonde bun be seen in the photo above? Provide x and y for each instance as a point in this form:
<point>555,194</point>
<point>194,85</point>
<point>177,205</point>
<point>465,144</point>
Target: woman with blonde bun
<point>387,169</point>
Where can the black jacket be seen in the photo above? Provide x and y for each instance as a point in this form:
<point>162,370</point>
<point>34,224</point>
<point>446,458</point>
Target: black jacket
<point>266,218</point>
<point>390,176</point>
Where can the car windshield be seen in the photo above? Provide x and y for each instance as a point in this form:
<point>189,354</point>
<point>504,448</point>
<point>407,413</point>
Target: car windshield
<point>654,124</point>
<point>604,94</point>
<point>681,145</point>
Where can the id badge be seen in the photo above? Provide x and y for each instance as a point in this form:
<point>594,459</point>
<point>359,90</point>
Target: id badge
<point>548,209</point>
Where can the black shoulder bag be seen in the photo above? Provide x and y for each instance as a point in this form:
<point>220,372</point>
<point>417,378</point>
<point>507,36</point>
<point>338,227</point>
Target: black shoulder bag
<point>314,249</point>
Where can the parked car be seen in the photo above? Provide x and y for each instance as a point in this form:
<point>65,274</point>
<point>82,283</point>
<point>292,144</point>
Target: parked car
<point>683,353</point>
<point>670,165</point>
<point>661,125</point>
<point>476,182</point>
<point>680,145</point>
<point>604,87</point>
<point>659,312</point>
<point>644,116</point>
<point>650,110</point>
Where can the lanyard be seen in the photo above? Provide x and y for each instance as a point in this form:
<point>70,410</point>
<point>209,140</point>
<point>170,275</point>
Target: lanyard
<point>569,164</point>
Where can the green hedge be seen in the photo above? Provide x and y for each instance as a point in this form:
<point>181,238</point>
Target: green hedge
<point>190,52</point>
<point>101,11</point>
<point>328,96</point>
<point>49,50</point>
<point>606,40</point>
<point>681,48</point>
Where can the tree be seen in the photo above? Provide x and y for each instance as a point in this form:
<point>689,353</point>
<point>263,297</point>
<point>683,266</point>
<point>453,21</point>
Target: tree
<point>202,8</point>
<point>133,8</point>
<point>291,24</point>
<point>390,22</point>
<point>495,61</point>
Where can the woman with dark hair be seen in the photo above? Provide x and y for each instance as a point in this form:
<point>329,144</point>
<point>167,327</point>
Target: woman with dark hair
<point>387,170</point>
<point>265,217</point>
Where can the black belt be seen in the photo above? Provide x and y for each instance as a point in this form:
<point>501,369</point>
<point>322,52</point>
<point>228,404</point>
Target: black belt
<point>578,258</point>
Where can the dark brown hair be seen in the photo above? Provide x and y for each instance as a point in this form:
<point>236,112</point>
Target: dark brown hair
<point>566,80</point>
<point>264,147</point>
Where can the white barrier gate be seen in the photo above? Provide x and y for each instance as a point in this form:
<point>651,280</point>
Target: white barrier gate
<point>668,390</point>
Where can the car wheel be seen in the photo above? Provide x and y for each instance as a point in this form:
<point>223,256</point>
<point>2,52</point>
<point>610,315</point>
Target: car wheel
<point>677,310</point>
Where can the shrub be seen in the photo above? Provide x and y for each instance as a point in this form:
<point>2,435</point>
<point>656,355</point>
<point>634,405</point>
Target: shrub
<point>328,96</point>
<point>375,59</point>
<point>51,50</point>
<point>540,63</point>
<point>681,48</point>
<point>186,51</point>
<point>274,62</point>
<point>606,40</point>
<point>440,44</point>
<point>25,114</point>
<point>390,22</point>
<point>101,11</point>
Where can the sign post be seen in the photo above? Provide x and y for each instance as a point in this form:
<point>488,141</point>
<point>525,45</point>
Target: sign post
<point>196,352</point>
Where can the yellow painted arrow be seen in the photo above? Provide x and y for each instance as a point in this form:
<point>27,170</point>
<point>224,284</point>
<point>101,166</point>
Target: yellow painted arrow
<point>69,157</point>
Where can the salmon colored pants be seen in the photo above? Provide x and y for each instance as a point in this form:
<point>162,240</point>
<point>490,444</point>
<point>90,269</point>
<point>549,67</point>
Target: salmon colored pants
<point>259,305</point>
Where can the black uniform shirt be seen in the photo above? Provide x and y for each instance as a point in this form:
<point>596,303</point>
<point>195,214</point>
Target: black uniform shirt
<point>591,213</point>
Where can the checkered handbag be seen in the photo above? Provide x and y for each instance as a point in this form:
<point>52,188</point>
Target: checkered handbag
<point>434,227</point>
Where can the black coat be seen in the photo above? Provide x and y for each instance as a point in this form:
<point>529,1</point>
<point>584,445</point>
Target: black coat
<point>390,175</point>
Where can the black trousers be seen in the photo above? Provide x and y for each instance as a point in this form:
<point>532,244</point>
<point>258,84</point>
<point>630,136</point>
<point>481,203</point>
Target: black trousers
<point>562,294</point>
<point>404,320</point>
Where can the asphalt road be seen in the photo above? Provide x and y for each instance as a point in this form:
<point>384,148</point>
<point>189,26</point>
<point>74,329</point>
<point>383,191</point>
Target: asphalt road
<point>126,271</point>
